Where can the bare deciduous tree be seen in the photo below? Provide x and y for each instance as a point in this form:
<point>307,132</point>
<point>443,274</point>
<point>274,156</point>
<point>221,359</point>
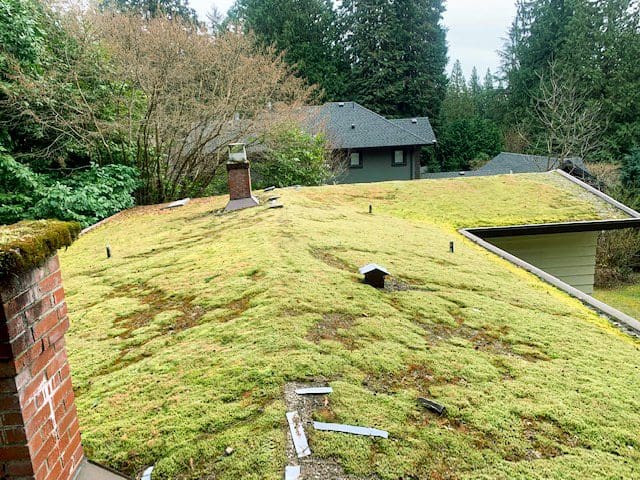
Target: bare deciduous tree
<point>570,126</point>
<point>188,95</point>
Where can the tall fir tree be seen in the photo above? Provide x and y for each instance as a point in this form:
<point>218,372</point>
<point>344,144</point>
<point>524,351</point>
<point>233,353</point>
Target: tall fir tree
<point>306,31</point>
<point>596,41</point>
<point>397,52</point>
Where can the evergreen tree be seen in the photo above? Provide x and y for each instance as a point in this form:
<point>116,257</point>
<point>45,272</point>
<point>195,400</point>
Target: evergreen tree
<point>457,83</point>
<point>489,81</point>
<point>596,41</point>
<point>474,83</point>
<point>397,52</point>
<point>306,31</point>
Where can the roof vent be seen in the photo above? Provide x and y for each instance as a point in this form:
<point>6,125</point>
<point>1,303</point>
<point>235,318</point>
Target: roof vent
<point>353,126</point>
<point>341,104</point>
<point>414,120</point>
<point>374,275</point>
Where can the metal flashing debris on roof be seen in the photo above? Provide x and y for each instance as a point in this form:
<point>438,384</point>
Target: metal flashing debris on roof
<point>293,473</point>
<point>146,475</point>
<point>337,427</point>
<point>177,203</point>
<point>297,435</point>
<point>432,405</point>
<point>314,391</point>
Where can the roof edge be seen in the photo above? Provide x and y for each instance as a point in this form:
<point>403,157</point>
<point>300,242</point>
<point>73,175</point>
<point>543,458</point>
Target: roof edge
<point>550,228</point>
<point>603,196</point>
<point>627,321</point>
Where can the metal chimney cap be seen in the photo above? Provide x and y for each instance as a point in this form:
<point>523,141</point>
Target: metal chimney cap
<point>414,120</point>
<point>341,104</point>
<point>371,267</point>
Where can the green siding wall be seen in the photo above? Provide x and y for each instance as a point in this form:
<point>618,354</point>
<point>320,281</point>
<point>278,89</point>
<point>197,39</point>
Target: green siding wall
<point>376,167</point>
<point>571,257</point>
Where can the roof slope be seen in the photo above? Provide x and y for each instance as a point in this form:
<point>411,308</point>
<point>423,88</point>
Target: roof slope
<point>349,125</point>
<point>420,126</point>
<point>181,344</point>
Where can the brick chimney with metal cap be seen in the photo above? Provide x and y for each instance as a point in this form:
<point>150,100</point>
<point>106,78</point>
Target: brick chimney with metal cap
<point>239,171</point>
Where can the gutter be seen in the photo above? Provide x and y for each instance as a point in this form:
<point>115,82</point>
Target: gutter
<point>548,228</point>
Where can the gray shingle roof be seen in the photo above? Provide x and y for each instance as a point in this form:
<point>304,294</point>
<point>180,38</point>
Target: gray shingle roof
<point>507,162</point>
<point>349,125</point>
<point>519,163</point>
<point>420,126</point>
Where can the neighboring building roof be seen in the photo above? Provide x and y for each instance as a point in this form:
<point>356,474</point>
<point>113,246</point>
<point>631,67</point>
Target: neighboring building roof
<point>349,125</point>
<point>507,162</point>
<point>420,126</point>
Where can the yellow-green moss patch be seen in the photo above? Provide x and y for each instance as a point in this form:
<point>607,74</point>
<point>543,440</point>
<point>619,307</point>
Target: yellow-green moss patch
<point>536,385</point>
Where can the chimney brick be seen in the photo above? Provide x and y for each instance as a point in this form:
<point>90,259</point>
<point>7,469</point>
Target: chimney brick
<point>240,195</point>
<point>39,431</point>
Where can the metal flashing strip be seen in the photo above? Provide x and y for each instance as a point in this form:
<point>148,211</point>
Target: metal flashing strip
<point>549,228</point>
<point>608,310</point>
<point>337,427</point>
<point>292,473</point>
<point>603,196</point>
<point>314,391</point>
<point>297,435</point>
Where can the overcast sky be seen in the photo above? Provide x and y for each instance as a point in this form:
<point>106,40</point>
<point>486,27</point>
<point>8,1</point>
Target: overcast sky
<point>476,29</point>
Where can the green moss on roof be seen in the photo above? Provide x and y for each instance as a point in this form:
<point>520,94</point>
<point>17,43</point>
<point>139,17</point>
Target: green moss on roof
<point>181,343</point>
<point>26,244</point>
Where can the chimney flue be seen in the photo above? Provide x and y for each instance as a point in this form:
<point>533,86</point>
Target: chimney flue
<point>239,172</point>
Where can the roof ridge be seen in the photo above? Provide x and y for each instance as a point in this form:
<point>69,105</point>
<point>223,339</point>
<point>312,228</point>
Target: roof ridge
<point>390,122</point>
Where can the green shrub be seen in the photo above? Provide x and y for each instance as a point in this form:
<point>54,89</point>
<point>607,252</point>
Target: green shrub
<point>293,158</point>
<point>85,197</point>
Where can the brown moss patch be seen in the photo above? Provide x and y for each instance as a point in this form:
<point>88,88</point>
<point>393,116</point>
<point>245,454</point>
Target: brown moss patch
<point>333,327</point>
<point>235,309</point>
<point>27,244</point>
<point>331,260</point>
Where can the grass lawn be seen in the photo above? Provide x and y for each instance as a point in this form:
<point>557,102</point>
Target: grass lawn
<point>181,343</point>
<point>625,298</point>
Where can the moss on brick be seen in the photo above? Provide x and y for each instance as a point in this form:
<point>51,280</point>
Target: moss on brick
<point>27,244</point>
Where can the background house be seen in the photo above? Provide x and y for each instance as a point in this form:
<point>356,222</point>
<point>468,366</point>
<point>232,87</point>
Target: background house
<point>374,148</point>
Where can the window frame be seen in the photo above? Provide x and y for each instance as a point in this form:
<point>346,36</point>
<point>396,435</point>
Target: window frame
<point>360,160</point>
<point>404,157</point>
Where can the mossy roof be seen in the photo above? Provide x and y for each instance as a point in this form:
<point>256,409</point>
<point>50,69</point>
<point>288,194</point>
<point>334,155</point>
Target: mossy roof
<point>182,343</point>
<point>26,244</point>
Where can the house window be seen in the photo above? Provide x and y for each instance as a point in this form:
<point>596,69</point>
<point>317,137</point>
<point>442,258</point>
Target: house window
<point>399,158</point>
<point>355,160</point>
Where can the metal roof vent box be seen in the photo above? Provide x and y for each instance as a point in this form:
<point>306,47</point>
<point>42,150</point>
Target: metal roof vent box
<point>374,275</point>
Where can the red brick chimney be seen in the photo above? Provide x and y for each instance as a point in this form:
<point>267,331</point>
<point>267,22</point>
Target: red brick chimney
<point>239,172</point>
<point>39,432</point>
